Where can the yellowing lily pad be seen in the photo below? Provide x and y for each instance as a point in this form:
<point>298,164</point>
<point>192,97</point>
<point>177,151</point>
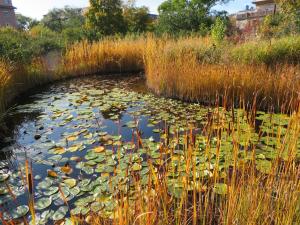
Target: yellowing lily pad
<point>59,150</point>
<point>99,149</point>
<point>70,182</point>
<point>52,173</point>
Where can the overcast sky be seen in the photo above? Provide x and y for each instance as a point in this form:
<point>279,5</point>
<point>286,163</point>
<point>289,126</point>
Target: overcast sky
<point>38,8</point>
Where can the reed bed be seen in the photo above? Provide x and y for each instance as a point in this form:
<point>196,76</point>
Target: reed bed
<point>192,68</point>
<point>106,56</point>
<point>197,70</point>
<point>4,79</point>
<point>16,79</point>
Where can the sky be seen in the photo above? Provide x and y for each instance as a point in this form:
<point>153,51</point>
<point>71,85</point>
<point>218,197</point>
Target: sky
<point>37,8</point>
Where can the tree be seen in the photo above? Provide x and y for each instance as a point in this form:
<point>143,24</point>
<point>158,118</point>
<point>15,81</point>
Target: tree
<point>285,21</point>
<point>290,10</point>
<point>25,23</point>
<point>59,19</point>
<point>218,30</point>
<point>137,19</point>
<point>105,17</point>
<point>184,16</point>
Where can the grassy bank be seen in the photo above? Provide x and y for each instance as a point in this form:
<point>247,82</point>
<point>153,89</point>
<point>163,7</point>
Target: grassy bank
<point>16,79</point>
<point>195,69</point>
<point>198,70</point>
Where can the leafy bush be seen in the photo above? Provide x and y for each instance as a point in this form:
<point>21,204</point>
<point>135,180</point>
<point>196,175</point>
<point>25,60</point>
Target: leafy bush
<point>218,30</point>
<point>21,46</point>
<point>283,50</point>
<point>14,45</point>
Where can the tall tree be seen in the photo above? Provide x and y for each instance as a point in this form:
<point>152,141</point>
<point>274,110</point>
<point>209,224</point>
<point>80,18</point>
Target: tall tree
<point>137,19</point>
<point>59,19</point>
<point>177,16</point>
<point>25,23</point>
<point>105,17</point>
<point>290,10</point>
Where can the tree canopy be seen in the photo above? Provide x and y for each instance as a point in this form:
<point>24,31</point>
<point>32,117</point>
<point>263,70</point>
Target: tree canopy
<point>181,16</point>
<point>105,17</point>
<point>137,19</point>
<point>59,19</point>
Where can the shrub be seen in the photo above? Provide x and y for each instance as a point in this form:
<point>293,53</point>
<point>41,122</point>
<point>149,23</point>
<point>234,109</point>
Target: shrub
<point>218,30</point>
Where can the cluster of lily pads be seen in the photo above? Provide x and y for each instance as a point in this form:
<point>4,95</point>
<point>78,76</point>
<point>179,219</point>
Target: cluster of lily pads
<point>96,140</point>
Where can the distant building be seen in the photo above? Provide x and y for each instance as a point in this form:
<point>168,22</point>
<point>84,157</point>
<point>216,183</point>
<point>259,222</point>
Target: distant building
<point>7,14</point>
<point>251,18</point>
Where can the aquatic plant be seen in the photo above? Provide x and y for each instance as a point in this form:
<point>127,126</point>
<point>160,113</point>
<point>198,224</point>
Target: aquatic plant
<point>115,156</point>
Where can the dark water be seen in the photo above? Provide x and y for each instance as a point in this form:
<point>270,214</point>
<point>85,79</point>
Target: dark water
<point>30,131</point>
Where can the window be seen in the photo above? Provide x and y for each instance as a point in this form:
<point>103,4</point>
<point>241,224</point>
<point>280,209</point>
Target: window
<point>7,2</point>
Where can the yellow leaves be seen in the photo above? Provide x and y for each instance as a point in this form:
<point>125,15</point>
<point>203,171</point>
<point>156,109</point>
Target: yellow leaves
<point>70,182</point>
<point>72,138</point>
<point>59,150</point>
<point>75,148</point>
<point>52,174</point>
<point>99,149</point>
<point>66,169</point>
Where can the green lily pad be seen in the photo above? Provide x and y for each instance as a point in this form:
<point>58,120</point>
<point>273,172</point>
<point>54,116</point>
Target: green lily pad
<point>60,213</point>
<point>20,211</point>
<point>43,203</point>
<point>4,177</point>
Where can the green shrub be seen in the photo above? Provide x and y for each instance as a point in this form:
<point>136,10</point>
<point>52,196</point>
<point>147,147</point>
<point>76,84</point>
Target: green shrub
<point>218,30</point>
<point>22,47</point>
<point>15,45</point>
<point>282,50</point>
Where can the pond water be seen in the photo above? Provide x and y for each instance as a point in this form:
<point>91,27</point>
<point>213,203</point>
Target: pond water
<point>88,139</point>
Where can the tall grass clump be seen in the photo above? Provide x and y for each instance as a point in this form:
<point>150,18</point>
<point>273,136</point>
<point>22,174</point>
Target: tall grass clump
<point>4,79</point>
<point>198,70</point>
<point>18,78</point>
<point>106,56</point>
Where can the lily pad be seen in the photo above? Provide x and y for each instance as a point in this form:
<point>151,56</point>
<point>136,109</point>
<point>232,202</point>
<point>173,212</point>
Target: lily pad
<point>43,203</point>
<point>60,213</point>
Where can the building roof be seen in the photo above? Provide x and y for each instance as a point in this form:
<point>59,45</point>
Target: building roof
<point>7,7</point>
<point>262,2</point>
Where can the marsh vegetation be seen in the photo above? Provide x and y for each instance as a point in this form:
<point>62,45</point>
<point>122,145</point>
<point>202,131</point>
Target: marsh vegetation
<point>131,121</point>
<point>98,150</point>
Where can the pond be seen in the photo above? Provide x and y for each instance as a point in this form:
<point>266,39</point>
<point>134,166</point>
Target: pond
<point>86,140</point>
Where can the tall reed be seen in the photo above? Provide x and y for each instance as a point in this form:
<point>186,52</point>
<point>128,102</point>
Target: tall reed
<point>106,56</point>
<point>173,68</point>
<point>5,71</point>
<point>247,195</point>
